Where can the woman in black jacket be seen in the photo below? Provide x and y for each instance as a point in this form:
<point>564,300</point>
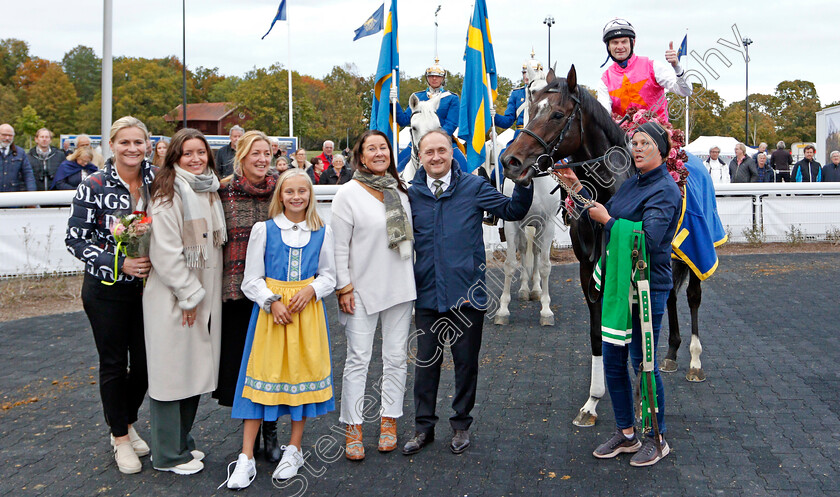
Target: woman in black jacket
<point>112,291</point>
<point>337,174</point>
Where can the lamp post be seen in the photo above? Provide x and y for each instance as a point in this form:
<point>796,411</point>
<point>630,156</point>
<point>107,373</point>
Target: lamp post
<point>747,42</point>
<point>549,21</point>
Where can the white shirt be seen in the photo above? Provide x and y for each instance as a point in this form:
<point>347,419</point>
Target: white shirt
<point>380,277</point>
<point>447,178</point>
<point>295,235</point>
<point>5,150</point>
<point>718,170</point>
<point>666,77</point>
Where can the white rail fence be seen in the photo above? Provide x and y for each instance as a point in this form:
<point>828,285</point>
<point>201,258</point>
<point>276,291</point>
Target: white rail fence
<point>32,239</point>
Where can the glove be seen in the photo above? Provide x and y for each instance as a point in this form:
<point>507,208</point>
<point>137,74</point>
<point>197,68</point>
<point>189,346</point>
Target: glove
<point>492,112</point>
<point>395,94</point>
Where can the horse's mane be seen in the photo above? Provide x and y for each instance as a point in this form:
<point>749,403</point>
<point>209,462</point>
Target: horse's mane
<point>592,108</point>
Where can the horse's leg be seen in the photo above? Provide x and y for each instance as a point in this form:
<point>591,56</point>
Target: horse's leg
<point>669,363</point>
<point>544,265</point>
<point>695,293</point>
<point>588,414</point>
<point>503,314</point>
<point>526,251</point>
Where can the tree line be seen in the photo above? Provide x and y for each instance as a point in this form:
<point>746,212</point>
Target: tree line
<point>65,96</point>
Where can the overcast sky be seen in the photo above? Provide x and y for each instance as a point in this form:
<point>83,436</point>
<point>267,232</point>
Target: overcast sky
<point>791,40</point>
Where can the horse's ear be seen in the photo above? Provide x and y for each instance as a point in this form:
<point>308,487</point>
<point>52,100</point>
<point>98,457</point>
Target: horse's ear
<point>571,79</point>
<point>550,76</point>
<point>413,101</point>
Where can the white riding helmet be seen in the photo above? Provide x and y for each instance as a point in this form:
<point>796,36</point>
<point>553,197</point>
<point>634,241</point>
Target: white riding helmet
<point>618,28</point>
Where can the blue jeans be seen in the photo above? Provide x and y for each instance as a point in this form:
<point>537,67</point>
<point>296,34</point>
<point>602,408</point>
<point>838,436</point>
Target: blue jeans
<point>615,367</point>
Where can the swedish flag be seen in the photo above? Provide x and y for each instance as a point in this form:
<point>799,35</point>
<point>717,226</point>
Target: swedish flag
<point>389,61</point>
<point>474,120</point>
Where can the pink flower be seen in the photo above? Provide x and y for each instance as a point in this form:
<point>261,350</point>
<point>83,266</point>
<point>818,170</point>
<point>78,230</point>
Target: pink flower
<point>119,229</point>
<point>680,163</point>
<point>675,176</point>
<point>672,154</point>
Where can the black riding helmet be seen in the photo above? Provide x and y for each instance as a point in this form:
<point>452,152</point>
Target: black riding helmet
<point>618,28</point>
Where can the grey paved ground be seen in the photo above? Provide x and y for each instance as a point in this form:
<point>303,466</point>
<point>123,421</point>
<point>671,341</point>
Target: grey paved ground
<point>765,423</point>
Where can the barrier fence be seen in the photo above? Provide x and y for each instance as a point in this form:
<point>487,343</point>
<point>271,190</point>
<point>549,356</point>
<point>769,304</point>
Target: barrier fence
<point>32,238</point>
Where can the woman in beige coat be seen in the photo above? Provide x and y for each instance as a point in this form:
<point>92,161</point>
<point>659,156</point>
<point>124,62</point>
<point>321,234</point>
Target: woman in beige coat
<point>182,301</point>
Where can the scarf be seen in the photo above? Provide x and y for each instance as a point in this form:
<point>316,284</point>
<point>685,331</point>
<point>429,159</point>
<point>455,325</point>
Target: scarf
<point>245,204</point>
<point>398,228</point>
<point>69,168</point>
<point>196,231</point>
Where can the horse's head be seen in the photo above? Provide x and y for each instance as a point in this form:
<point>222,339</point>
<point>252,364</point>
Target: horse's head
<point>554,129</point>
<point>424,117</point>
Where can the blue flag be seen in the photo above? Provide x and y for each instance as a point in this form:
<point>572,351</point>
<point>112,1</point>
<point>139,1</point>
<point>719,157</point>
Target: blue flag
<point>474,119</point>
<point>389,61</point>
<point>281,16</point>
<point>683,48</point>
<point>373,25</point>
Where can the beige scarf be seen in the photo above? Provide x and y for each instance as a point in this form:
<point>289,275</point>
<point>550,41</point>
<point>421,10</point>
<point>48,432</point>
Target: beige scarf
<point>196,232</point>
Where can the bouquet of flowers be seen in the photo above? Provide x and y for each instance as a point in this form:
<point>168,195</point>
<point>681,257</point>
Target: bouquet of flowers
<point>133,234</point>
<point>677,158</point>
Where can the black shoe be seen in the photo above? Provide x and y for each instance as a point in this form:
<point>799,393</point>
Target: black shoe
<point>270,445</point>
<point>417,443</point>
<point>460,441</point>
<point>490,220</point>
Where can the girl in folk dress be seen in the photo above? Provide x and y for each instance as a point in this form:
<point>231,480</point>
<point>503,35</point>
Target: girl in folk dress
<point>286,367</point>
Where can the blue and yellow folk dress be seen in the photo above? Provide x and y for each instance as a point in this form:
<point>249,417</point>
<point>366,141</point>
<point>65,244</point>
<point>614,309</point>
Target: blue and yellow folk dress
<point>286,369</point>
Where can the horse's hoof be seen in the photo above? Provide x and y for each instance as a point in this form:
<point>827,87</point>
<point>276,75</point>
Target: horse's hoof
<point>547,320</point>
<point>536,296</point>
<point>585,419</point>
<point>503,320</point>
<point>668,366</point>
<point>695,375</point>
<point>524,294</point>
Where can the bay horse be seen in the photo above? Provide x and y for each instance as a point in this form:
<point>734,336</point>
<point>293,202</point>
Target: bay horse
<point>568,122</point>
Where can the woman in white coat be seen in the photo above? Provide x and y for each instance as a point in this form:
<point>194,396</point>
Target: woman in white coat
<point>371,221</point>
<point>182,301</point>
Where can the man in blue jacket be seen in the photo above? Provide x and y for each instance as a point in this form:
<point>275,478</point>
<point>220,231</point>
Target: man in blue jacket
<point>15,171</point>
<point>447,206</point>
<point>447,110</point>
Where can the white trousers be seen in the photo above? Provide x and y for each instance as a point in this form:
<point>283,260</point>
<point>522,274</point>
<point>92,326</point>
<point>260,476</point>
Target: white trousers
<point>356,407</point>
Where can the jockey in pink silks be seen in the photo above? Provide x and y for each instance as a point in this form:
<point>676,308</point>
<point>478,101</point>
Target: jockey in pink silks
<point>633,79</point>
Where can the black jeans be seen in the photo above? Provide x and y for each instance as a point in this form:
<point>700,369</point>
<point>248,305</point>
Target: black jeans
<point>116,317</point>
<point>461,330</point>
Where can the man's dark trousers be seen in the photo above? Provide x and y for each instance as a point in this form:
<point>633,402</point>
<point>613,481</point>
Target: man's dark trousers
<point>461,329</point>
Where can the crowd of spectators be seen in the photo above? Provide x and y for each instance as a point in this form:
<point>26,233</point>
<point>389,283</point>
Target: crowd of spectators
<point>46,167</point>
<point>777,166</point>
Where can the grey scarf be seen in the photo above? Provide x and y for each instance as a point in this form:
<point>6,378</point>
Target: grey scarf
<point>396,220</point>
<point>196,231</point>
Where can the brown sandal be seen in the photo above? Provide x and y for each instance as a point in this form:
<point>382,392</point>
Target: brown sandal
<point>388,435</point>
<point>355,450</point>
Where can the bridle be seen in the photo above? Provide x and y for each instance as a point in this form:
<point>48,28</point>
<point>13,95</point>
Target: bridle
<point>551,149</point>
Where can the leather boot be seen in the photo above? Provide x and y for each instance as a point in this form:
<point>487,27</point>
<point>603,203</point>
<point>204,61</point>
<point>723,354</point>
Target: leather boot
<point>270,445</point>
<point>354,449</point>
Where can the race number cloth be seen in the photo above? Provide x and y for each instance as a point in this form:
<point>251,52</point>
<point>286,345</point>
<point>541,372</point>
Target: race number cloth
<point>615,274</point>
<point>635,84</point>
<point>699,229</point>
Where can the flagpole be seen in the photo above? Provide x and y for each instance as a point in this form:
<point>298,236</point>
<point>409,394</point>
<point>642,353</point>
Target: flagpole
<point>493,157</point>
<point>289,71</point>
<point>686,98</point>
<point>396,145</point>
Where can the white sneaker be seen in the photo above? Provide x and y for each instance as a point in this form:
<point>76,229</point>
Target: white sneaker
<point>290,463</point>
<point>187,468</point>
<point>127,460</point>
<point>243,474</point>
<point>141,448</point>
<point>197,454</point>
